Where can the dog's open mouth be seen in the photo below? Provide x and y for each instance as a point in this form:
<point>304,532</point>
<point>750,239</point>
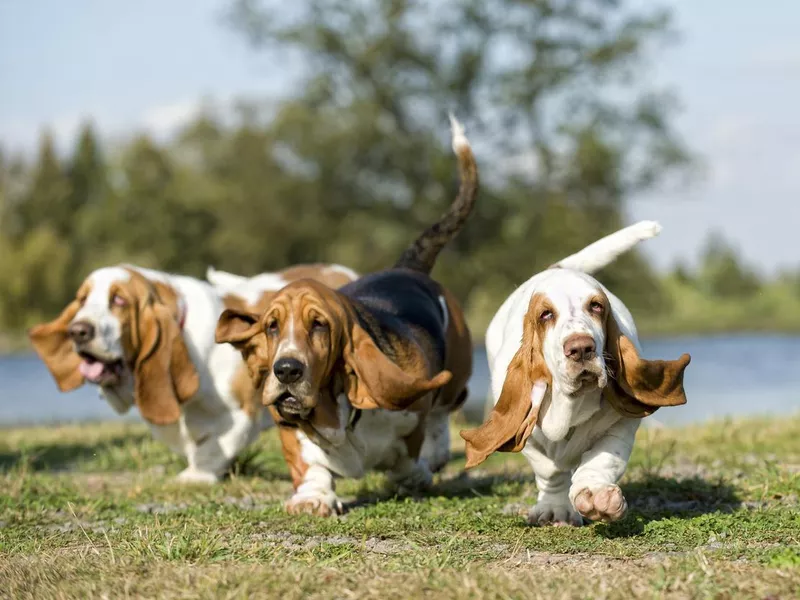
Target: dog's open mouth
<point>101,372</point>
<point>587,379</point>
<point>289,407</point>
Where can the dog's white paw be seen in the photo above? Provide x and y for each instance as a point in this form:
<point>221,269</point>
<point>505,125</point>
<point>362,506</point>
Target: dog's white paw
<point>319,505</point>
<point>192,476</point>
<point>555,511</point>
<point>603,502</point>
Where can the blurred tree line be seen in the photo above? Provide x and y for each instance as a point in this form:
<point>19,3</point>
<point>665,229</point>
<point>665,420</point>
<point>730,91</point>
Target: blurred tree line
<point>354,161</point>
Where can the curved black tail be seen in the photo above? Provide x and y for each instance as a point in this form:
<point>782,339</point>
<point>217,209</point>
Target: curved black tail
<point>421,255</point>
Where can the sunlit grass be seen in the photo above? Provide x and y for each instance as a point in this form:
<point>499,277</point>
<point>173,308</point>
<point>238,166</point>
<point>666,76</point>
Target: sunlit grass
<point>91,510</point>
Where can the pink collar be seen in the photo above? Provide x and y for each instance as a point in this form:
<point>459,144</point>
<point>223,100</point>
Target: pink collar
<point>182,319</point>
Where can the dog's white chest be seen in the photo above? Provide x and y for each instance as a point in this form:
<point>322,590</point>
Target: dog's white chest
<point>375,442</point>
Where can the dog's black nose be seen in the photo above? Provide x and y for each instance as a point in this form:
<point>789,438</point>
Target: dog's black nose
<point>81,332</point>
<point>288,370</point>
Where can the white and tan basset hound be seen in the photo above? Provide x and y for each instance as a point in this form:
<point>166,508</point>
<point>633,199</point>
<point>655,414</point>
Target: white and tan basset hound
<point>570,385</point>
<point>146,338</point>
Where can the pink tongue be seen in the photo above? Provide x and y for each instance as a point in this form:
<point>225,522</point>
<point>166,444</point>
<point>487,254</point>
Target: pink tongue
<point>91,370</point>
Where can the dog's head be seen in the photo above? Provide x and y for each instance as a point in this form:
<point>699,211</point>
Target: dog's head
<point>572,342</point>
<point>308,347</point>
<point>122,329</point>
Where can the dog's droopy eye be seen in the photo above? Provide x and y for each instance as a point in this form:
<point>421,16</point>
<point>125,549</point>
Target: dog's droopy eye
<point>318,325</point>
<point>273,327</point>
<point>546,315</point>
<point>596,308</point>
<point>117,300</point>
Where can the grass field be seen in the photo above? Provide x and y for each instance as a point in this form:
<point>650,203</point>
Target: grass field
<point>91,511</point>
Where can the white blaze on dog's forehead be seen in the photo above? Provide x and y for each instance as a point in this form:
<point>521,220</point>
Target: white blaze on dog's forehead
<point>288,343</point>
<point>568,290</point>
<point>101,282</point>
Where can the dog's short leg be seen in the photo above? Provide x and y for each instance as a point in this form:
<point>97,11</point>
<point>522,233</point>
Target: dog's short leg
<point>315,495</point>
<point>213,455</point>
<point>594,492</point>
<point>552,506</point>
<point>436,447</point>
<point>409,476</point>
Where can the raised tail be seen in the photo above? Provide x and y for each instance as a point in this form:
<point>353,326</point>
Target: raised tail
<point>606,250</point>
<point>223,279</point>
<point>421,255</point>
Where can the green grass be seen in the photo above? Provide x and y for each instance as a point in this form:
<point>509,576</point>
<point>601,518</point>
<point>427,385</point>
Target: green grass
<point>774,308</point>
<point>91,511</point>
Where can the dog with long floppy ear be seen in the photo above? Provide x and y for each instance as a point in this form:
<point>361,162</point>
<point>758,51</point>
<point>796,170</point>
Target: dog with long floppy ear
<point>143,338</point>
<point>54,346</point>
<point>571,388</point>
<point>164,375</point>
<point>513,418</point>
<point>636,389</point>
<point>368,374</point>
<point>375,381</point>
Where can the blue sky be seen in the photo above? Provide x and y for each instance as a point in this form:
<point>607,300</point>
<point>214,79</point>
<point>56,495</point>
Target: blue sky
<point>736,71</point>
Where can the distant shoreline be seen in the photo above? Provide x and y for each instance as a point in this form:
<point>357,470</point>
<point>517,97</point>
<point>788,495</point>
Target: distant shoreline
<point>10,346</point>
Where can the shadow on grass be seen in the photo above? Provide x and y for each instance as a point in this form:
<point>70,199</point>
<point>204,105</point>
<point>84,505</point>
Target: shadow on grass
<point>655,498</point>
<point>253,463</point>
<point>460,486</point>
<point>63,457</point>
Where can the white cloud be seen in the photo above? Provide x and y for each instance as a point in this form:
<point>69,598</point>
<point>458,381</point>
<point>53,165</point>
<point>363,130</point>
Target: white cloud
<point>165,120</point>
<point>161,121</point>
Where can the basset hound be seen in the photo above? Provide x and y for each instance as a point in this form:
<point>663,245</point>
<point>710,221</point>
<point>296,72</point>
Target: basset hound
<point>147,338</point>
<point>364,377</point>
<point>570,385</point>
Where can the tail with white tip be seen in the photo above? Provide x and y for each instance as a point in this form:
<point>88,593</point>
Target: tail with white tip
<point>223,279</point>
<point>421,255</point>
<point>606,250</point>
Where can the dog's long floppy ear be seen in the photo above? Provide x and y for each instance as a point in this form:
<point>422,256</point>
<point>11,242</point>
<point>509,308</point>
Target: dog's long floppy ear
<point>373,380</point>
<point>638,387</point>
<point>52,344</point>
<point>163,371</point>
<point>514,416</point>
<point>235,326</point>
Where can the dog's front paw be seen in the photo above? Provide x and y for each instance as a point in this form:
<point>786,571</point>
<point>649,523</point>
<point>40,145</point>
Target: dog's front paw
<point>193,476</point>
<point>415,479</point>
<point>601,503</point>
<point>554,512</point>
<point>325,505</point>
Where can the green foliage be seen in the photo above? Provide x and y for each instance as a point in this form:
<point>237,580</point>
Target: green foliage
<point>722,273</point>
<point>354,161</point>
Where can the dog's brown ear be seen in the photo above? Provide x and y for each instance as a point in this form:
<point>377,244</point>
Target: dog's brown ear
<point>165,377</point>
<point>51,342</point>
<point>515,414</point>
<point>638,387</point>
<point>236,326</point>
<point>373,380</point>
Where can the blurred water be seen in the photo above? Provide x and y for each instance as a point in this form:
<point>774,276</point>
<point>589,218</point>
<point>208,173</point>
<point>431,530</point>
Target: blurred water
<point>729,376</point>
